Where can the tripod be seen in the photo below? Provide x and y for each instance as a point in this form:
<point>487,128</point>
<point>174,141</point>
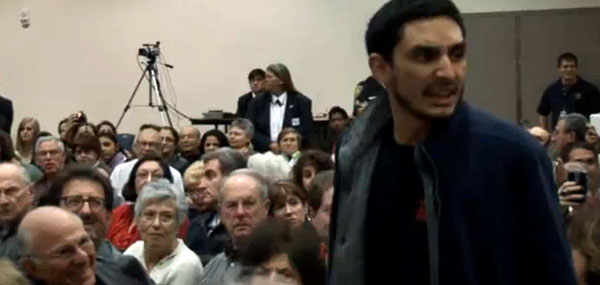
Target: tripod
<point>154,89</point>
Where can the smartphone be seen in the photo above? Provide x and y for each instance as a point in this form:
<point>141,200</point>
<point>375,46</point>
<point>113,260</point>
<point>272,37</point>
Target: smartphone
<point>580,178</point>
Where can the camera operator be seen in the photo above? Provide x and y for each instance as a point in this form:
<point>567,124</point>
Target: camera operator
<point>580,157</point>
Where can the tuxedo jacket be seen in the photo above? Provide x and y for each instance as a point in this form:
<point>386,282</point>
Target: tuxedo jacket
<point>6,114</point>
<point>298,115</point>
<point>243,104</point>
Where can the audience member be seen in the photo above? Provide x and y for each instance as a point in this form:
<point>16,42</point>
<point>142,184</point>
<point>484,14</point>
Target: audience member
<point>288,202</point>
<point>106,127</point>
<point>240,136</point>
<point>50,157</point>
<point>540,135</point>
<point>585,158</point>
<point>6,114</point>
<point>243,204</point>
<point>271,166</point>
<point>10,275</point>
<point>366,91</point>
<point>213,140</point>
<point>55,248</point>
<point>63,127</point>
<point>255,80</point>
<point>147,142</point>
<point>277,253</point>
<point>29,129</point>
<point>207,234</point>
<point>82,190</point>
<point>78,129</point>
<point>570,128</point>
<point>338,122</point>
<point>289,142</point>
<point>16,197</point>
<point>584,235</point>
<point>122,231</point>
<point>320,199</point>
<point>86,150</point>
<point>421,144</point>
<point>591,136</point>
<point>310,163</point>
<point>160,210</point>
<point>170,139</point>
<point>189,144</point>
<point>569,94</point>
<point>281,106</point>
<point>7,154</point>
<point>110,150</point>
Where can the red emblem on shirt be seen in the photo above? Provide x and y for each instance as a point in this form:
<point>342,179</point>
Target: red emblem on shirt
<point>421,215</point>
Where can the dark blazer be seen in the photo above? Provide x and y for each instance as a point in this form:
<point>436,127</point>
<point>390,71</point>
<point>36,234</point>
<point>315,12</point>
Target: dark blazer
<point>297,106</point>
<point>6,114</point>
<point>243,104</point>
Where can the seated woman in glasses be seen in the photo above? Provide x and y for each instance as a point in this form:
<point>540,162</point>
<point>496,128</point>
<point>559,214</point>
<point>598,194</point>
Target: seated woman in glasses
<point>159,212</point>
<point>123,231</point>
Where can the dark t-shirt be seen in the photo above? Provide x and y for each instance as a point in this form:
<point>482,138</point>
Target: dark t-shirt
<point>396,230</point>
<point>582,98</point>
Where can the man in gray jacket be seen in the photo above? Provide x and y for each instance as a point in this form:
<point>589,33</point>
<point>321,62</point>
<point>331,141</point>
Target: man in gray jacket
<point>429,190</point>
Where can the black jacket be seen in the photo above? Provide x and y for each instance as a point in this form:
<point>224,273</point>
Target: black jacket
<point>491,203</point>
<point>204,242</point>
<point>243,104</point>
<point>298,114</point>
<point>6,114</point>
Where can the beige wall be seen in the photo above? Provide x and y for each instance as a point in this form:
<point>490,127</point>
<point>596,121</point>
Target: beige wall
<point>81,54</point>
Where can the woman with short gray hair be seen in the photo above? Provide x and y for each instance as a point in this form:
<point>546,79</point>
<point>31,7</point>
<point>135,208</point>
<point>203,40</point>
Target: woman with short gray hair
<point>240,136</point>
<point>159,211</point>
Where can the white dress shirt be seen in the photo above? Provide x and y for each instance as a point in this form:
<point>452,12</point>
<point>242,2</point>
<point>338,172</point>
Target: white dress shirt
<point>277,115</point>
<point>182,266</point>
<point>120,175</point>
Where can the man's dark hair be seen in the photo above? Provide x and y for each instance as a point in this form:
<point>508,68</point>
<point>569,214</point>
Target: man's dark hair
<point>568,57</point>
<point>173,132</point>
<point>87,142</point>
<point>386,27</point>
<point>338,110</point>
<point>275,237</point>
<point>318,159</point>
<point>149,126</point>
<point>229,159</point>
<point>575,122</point>
<point>257,72</point>
<point>7,150</point>
<point>129,188</point>
<point>566,152</point>
<point>77,172</point>
<point>221,137</point>
<point>320,184</point>
<point>107,123</point>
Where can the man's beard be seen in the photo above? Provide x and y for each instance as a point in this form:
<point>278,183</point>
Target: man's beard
<point>429,91</point>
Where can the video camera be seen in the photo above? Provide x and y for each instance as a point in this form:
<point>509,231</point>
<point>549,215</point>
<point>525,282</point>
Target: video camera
<point>151,51</point>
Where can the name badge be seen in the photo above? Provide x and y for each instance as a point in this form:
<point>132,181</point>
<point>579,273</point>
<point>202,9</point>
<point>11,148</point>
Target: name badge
<point>295,122</point>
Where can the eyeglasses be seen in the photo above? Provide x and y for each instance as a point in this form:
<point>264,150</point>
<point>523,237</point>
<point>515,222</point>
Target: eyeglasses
<point>162,218</point>
<point>76,202</point>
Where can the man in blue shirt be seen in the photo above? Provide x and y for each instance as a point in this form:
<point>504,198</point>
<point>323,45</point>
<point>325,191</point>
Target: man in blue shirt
<point>569,94</point>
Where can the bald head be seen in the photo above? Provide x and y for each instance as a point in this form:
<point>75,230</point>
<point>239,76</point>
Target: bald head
<point>541,135</point>
<point>189,139</point>
<point>44,223</point>
<point>55,248</point>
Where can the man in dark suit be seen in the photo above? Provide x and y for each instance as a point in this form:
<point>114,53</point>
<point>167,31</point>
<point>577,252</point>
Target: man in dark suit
<point>255,79</point>
<point>6,114</point>
<point>280,107</point>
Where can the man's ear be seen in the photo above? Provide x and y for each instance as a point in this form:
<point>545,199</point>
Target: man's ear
<point>380,68</point>
<point>267,204</point>
<point>28,266</point>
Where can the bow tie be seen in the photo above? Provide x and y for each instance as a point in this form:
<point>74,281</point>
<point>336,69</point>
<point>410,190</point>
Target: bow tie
<point>278,103</point>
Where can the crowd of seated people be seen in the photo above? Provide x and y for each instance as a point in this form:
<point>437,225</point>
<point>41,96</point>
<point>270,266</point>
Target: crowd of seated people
<point>175,207</point>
